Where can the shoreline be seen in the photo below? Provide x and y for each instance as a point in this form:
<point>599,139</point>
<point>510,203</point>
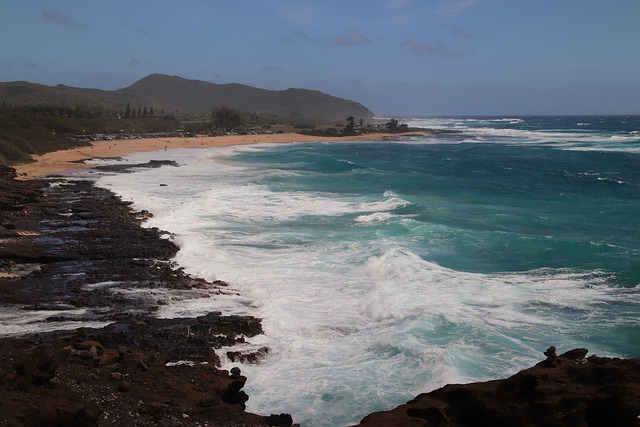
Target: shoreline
<point>126,372</point>
<point>123,373</point>
<point>65,161</point>
<point>83,283</point>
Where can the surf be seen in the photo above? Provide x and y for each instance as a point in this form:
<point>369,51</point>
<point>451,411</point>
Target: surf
<point>396,267</point>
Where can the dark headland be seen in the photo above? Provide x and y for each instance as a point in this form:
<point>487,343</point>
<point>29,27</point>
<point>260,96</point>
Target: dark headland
<point>60,236</point>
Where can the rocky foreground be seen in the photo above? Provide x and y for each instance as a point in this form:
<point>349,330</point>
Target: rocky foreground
<point>77,254</point>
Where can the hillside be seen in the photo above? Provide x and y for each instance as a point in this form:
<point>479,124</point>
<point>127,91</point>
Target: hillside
<point>176,94</point>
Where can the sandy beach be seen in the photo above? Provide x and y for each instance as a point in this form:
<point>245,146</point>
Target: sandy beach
<point>65,161</point>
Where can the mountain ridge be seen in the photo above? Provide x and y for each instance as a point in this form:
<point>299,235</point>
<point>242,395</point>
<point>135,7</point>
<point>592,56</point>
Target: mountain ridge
<point>178,94</point>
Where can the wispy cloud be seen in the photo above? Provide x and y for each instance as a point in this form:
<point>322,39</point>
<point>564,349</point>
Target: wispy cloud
<point>351,38</point>
<point>32,64</point>
<point>5,64</point>
<point>439,49</point>
<point>455,7</point>
<point>134,62</point>
<point>300,35</point>
<point>462,33</point>
<point>56,16</point>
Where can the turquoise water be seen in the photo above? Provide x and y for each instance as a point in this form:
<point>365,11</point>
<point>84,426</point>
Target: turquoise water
<point>478,207</point>
<point>384,269</point>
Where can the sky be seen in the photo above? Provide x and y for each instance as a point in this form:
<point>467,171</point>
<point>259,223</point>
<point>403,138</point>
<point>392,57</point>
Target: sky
<point>396,57</point>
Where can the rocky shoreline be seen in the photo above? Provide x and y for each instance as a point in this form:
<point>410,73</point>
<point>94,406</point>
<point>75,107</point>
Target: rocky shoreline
<point>76,254</point>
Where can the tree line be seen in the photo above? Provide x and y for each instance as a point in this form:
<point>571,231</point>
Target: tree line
<point>131,113</point>
<point>82,111</point>
<point>27,130</point>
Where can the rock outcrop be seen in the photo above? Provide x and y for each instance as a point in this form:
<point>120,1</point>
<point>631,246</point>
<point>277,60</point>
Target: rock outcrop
<point>77,380</point>
<point>566,390</point>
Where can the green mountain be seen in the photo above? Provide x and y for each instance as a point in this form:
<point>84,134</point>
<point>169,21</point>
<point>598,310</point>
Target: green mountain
<point>176,94</point>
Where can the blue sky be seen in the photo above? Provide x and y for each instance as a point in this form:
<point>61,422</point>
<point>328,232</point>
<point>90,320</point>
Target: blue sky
<point>397,57</point>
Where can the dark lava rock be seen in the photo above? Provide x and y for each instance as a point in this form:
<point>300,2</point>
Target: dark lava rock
<point>67,245</point>
<point>279,420</point>
<point>596,391</point>
<point>127,167</point>
<point>60,238</point>
<point>7,173</point>
<point>52,385</point>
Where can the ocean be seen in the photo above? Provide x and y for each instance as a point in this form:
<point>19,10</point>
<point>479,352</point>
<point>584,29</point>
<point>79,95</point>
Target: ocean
<point>384,269</point>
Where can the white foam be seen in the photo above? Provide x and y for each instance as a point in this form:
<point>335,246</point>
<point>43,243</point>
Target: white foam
<point>451,294</point>
<point>374,217</point>
<point>16,320</point>
<point>480,130</point>
<point>103,285</point>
